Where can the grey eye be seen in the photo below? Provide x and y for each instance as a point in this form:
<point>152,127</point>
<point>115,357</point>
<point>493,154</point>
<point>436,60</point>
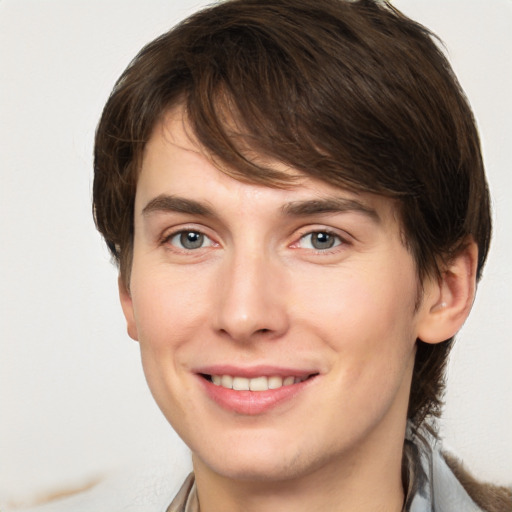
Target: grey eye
<point>190,240</point>
<point>320,240</point>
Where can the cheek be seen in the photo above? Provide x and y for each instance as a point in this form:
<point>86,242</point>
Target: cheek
<point>359,301</point>
<point>166,307</point>
<point>167,316</point>
<point>367,320</point>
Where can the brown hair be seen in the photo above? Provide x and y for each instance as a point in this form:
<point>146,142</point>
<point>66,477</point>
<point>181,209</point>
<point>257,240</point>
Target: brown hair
<point>350,92</point>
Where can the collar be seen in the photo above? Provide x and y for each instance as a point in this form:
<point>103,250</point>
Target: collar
<point>432,486</point>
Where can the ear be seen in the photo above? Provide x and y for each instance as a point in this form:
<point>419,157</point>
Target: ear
<point>127,306</point>
<point>447,301</point>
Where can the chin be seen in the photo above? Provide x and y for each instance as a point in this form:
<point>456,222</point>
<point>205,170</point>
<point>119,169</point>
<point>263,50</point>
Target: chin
<point>268,462</point>
<point>258,470</point>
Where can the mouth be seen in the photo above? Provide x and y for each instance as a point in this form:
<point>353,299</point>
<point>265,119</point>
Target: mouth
<point>255,390</point>
<point>257,384</point>
<point>255,394</point>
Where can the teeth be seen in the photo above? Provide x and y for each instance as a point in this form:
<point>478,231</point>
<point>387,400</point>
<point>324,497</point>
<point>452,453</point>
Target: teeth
<point>240,384</point>
<point>258,384</point>
<point>255,384</point>
<point>275,382</point>
<point>226,381</point>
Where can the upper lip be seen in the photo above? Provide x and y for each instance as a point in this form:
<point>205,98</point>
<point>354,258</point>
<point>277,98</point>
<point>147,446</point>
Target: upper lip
<point>255,371</point>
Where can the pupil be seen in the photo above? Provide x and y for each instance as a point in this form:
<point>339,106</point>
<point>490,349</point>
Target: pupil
<point>191,240</point>
<point>322,241</point>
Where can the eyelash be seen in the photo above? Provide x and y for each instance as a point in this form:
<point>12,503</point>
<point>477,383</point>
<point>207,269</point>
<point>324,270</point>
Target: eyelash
<point>338,240</point>
<point>167,239</point>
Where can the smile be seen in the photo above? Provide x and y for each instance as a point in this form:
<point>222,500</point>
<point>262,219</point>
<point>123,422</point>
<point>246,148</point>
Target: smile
<point>254,391</point>
<point>261,383</point>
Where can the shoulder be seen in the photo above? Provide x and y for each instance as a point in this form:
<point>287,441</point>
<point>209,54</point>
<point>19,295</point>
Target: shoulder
<point>439,482</point>
<point>490,498</point>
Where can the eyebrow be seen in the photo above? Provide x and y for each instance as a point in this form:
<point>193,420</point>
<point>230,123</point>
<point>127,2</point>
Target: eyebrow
<point>329,205</point>
<point>175,204</point>
<point>166,203</point>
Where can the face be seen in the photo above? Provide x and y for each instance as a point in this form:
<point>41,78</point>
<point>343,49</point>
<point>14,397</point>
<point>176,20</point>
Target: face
<point>277,326</point>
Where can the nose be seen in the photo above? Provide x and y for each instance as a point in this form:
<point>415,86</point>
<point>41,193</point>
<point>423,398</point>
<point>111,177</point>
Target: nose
<point>251,299</point>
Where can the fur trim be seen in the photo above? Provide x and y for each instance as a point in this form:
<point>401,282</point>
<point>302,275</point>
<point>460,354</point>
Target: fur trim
<point>491,498</point>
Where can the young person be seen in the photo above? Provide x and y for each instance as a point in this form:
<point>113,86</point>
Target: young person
<point>295,195</point>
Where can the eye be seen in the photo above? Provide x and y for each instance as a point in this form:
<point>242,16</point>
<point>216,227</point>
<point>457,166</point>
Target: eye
<point>319,240</point>
<point>190,240</point>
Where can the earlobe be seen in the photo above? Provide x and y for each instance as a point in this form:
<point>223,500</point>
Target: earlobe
<point>448,301</point>
<point>127,306</point>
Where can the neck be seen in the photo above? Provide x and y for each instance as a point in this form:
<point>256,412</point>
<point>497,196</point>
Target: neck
<point>368,478</point>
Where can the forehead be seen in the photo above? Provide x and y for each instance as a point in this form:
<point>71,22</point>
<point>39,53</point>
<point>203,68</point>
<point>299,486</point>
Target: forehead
<point>176,163</point>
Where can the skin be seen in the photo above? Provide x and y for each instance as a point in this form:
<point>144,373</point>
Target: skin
<point>258,292</point>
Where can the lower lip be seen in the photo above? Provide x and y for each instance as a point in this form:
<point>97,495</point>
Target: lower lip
<point>252,403</point>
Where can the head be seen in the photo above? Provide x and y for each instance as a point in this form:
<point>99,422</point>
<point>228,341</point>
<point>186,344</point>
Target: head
<point>350,94</point>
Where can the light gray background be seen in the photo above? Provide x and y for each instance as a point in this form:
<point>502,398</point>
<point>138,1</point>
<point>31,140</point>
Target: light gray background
<point>73,401</point>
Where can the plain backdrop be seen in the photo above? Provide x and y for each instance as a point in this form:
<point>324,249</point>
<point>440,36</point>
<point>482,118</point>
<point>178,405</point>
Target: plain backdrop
<point>73,401</point>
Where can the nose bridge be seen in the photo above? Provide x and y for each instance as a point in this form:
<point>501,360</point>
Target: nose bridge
<point>250,302</point>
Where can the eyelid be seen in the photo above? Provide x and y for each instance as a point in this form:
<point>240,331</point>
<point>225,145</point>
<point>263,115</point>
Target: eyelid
<point>336,239</point>
<point>170,233</point>
<point>175,240</point>
<point>344,238</point>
